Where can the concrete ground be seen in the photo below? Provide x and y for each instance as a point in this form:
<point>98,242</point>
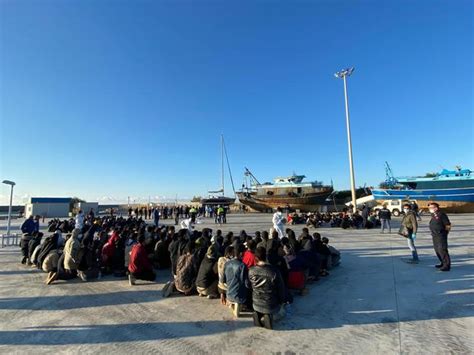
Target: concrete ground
<point>372,303</point>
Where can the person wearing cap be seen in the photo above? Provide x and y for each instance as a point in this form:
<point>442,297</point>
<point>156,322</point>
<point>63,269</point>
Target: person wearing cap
<point>440,226</point>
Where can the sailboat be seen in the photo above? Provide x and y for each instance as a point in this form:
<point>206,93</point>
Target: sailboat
<point>218,197</point>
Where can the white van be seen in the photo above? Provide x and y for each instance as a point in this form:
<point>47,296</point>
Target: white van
<point>394,206</point>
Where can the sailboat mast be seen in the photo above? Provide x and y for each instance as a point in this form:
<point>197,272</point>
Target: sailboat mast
<point>222,164</point>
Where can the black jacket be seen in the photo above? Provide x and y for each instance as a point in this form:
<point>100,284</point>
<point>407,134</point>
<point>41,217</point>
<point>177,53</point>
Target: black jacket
<point>268,289</point>
<point>206,274</point>
<point>385,213</point>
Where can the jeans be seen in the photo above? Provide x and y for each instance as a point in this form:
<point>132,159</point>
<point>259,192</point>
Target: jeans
<point>411,245</point>
<point>386,224</point>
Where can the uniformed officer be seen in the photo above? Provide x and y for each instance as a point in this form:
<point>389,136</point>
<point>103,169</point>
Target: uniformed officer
<point>440,227</point>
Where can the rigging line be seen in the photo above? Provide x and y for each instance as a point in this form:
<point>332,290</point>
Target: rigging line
<point>228,165</point>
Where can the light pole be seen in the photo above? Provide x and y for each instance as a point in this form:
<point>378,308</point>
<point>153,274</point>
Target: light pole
<point>342,75</point>
<point>11,183</point>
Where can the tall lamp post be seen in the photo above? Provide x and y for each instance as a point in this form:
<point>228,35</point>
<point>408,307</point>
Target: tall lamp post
<point>343,74</point>
<point>11,183</point>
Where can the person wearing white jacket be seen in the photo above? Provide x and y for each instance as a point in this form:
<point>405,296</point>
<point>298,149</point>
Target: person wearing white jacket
<point>279,222</point>
<point>79,220</point>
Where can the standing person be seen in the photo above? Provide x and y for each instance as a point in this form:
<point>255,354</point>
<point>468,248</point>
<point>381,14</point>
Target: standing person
<point>156,216</point>
<point>91,215</point>
<point>408,229</point>
<point>278,222</point>
<point>365,215</point>
<point>79,220</point>
<point>30,225</point>
<point>268,290</point>
<point>28,228</point>
<point>385,216</point>
<point>416,209</point>
<point>440,226</point>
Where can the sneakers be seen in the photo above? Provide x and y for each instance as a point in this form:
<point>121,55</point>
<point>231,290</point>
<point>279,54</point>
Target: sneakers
<point>236,309</point>
<point>211,297</point>
<point>131,279</point>
<point>268,321</point>
<point>51,277</point>
<point>257,320</point>
<point>23,261</point>
<point>444,269</point>
<point>439,266</point>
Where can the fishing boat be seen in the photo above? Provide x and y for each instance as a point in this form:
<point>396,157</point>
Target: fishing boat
<point>453,190</point>
<point>218,197</point>
<point>286,192</point>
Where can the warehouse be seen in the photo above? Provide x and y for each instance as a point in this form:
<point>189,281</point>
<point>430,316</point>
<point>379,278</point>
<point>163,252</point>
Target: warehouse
<point>48,207</point>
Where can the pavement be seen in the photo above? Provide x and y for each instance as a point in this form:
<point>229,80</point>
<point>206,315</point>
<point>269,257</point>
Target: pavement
<point>373,303</point>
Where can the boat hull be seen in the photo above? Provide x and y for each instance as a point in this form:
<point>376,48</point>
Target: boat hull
<point>305,203</point>
<point>455,200</point>
<point>224,201</point>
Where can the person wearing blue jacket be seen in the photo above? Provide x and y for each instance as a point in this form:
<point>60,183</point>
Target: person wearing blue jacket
<point>28,228</point>
<point>235,276</point>
<point>30,225</point>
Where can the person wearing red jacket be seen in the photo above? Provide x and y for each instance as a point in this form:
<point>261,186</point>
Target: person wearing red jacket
<point>249,255</point>
<point>139,266</point>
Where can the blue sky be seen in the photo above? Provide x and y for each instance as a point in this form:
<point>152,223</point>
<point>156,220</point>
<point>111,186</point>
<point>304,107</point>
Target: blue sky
<point>109,99</point>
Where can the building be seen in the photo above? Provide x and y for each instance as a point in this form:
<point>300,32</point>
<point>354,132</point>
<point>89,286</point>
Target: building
<point>87,206</point>
<point>48,207</point>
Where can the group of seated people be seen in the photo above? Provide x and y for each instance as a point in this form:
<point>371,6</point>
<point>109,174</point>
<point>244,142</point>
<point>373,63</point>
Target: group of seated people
<point>342,219</point>
<point>257,274</point>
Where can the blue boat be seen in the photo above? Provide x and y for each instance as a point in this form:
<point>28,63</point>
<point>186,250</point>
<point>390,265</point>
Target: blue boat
<point>452,189</point>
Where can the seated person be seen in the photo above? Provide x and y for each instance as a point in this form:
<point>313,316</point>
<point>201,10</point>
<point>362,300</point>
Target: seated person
<point>236,278</point>
<point>323,252</point>
<point>139,266</point>
<point>221,285</point>
<point>249,254</point>
<point>335,257</point>
<point>68,263</point>
<point>186,271</point>
<point>206,280</point>
<point>268,291</point>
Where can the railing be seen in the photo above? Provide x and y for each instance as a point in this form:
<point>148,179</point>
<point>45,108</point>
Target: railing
<point>10,240</point>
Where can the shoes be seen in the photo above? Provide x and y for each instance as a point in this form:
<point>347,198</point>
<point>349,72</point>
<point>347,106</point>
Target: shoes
<point>167,289</point>
<point>236,309</point>
<point>268,321</point>
<point>131,280</point>
<point>410,261</point>
<point>211,297</point>
<point>52,276</point>
<point>324,273</point>
<point>82,276</point>
<point>257,321</point>
<point>23,261</point>
<point>445,269</point>
<point>439,266</point>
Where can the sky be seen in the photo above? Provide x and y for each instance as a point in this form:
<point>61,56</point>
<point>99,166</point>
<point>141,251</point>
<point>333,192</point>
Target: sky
<point>109,99</point>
